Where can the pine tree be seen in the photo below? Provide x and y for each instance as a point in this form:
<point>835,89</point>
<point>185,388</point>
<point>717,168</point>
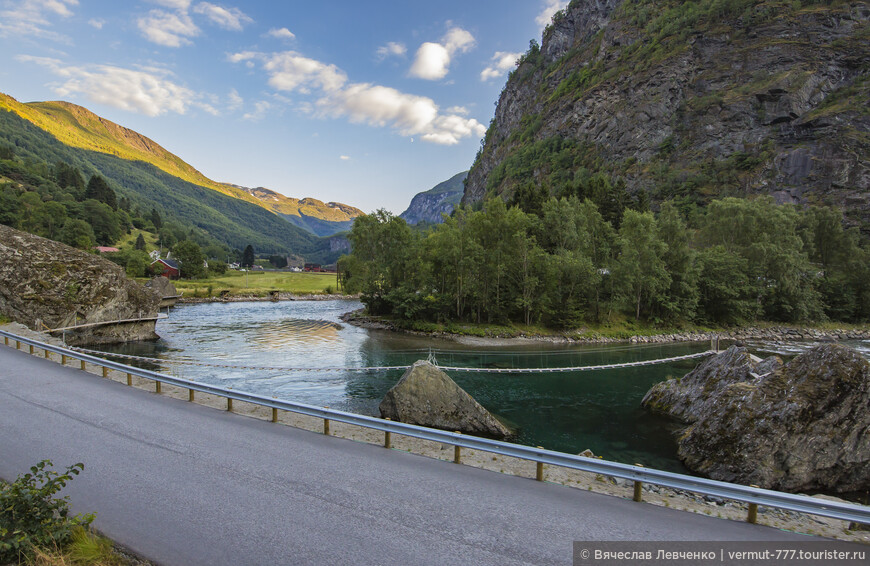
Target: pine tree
<point>140,242</point>
<point>248,257</point>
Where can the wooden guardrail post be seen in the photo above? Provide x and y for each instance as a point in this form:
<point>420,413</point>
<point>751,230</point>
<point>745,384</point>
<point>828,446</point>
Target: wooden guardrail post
<point>130,379</point>
<point>274,415</point>
<point>752,514</point>
<point>63,359</point>
<point>84,365</point>
<point>539,469</point>
<point>638,488</point>
<point>230,404</point>
<point>31,348</point>
<point>387,438</point>
<point>158,386</point>
<point>105,371</point>
<point>457,452</point>
<point>190,393</point>
<point>6,340</point>
<point>47,355</point>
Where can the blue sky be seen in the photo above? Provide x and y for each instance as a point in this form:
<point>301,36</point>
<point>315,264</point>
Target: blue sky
<point>365,103</point>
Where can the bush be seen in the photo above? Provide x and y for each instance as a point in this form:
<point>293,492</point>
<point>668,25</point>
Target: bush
<point>31,517</point>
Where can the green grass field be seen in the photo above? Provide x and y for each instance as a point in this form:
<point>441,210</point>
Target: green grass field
<point>259,283</point>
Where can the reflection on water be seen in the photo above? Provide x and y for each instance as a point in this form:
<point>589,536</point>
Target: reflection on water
<point>570,412</point>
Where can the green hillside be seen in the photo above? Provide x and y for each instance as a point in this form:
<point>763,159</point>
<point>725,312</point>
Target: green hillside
<point>229,221</point>
<point>78,127</point>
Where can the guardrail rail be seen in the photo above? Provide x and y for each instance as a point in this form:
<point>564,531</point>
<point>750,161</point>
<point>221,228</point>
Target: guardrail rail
<point>751,495</point>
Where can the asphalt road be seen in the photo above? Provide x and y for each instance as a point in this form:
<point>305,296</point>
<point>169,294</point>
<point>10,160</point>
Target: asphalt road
<point>183,484</point>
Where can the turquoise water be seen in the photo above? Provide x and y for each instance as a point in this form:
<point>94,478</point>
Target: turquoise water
<point>570,412</point>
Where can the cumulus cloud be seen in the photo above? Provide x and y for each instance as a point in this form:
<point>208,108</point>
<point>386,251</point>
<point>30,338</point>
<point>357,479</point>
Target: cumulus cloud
<point>232,19</point>
<point>281,33</point>
<point>550,8</point>
<point>344,157</point>
<point>30,18</point>
<point>260,109</point>
<point>362,103</point>
<point>391,49</point>
<point>501,63</point>
<point>432,61</point>
<point>167,29</point>
<point>96,23</point>
<point>147,91</point>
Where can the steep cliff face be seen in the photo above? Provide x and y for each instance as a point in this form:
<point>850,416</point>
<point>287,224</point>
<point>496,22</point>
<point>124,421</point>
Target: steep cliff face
<point>441,199</point>
<point>690,100</point>
<point>46,284</point>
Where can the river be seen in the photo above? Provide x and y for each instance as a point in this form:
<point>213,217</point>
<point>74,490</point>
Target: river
<point>569,412</point>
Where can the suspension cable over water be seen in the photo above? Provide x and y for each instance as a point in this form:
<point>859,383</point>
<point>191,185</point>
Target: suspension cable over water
<point>388,368</point>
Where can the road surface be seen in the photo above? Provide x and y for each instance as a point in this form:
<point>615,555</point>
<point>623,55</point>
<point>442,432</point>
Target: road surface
<point>183,484</point>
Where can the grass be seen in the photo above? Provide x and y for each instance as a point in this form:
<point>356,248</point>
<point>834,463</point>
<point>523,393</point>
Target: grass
<point>129,240</point>
<point>259,283</point>
<point>85,549</point>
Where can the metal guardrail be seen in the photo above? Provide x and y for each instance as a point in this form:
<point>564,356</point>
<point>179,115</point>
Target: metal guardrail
<point>754,496</point>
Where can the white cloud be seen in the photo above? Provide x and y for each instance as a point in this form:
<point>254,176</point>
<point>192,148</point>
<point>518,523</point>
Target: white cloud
<point>170,30</point>
<point>361,103</point>
<point>501,63</point>
<point>235,100</point>
<point>461,110</point>
<point>181,5</point>
<point>96,23</point>
<point>344,157</point>
<point>289,71</point>
<point>260,109</point>
<point>391,48</point>
<point>147,91</point>
<point>432,60</point>
<point>30,18</point>
<point>228,18</point>
<point>281,33</point>
<point>550,8</point>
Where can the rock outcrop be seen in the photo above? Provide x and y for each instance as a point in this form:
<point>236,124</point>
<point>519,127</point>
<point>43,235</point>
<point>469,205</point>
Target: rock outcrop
<point>46,284</point>
<point>164,289</point>
<point>426,396</point>
<point>798,427</point>
<point>758,98</point>
<point>441,199</point>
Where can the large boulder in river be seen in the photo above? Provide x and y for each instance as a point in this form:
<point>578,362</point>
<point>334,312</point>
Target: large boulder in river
<point>46,284</point>
<point>162,286</point>
<point>426,396</point>
<point>803,426</point>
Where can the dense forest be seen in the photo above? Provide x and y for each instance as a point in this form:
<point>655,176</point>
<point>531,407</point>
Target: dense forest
<point>565,261</point>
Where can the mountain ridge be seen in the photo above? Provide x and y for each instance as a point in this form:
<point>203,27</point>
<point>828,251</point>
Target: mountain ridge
<point>428,206</point>
<point>77,126</point>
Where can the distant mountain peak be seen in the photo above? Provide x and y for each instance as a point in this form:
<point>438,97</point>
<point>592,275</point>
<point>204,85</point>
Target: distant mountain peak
<point>428,206</point>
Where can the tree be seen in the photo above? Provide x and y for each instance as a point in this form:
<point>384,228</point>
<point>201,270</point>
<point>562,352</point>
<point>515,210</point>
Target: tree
<point>140,242</point>
<point>78,234</point>
<point>681,298</point>
<point>68,177</point>
<point>726,293</point>
<point>104,221</point>
<point>640,271</point>
<point>248,257</point>
<point>155,219</point>
<point>190,260</point>
<point>98,189</point>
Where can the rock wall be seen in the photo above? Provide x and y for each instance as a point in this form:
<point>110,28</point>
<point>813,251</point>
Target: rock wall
<point>774,98</point>
<point>46,284</point>
<point>798,427</point>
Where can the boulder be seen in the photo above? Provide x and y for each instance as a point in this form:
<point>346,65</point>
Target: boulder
<point>426,396</point>
<point>162,286</point>
<point>802,426</point>
<point>45,285</point>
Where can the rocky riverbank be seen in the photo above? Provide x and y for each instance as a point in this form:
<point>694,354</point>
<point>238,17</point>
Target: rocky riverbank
<point>260,298</point>
<point>772,333</point>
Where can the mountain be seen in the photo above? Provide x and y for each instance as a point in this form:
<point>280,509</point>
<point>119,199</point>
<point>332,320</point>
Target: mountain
<point>690,101</point>
<point>319,218</point>
<point>225,219</point>
<point>428,206</point>
<point>78,127</point>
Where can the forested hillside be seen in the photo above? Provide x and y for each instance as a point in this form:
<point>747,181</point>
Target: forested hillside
<point>34,161</point>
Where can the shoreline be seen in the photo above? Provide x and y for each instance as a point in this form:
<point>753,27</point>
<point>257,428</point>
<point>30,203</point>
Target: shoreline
<point>776,333</point>
<point>267,298</point>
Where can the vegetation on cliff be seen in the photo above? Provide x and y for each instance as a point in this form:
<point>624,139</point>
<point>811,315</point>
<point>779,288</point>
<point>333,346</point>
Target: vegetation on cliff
<point>689,101</point>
